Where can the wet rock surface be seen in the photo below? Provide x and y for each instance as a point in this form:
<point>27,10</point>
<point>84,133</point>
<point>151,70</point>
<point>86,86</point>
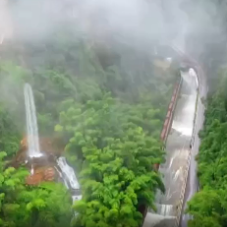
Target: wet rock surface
<point>41,175</point>
<point>42,168</point>
<point>50,148</point>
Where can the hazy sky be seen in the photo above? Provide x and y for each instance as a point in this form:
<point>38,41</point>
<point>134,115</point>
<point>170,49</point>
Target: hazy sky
<point>131,19</point>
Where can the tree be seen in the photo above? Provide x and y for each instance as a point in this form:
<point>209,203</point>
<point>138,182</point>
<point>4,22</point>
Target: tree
<point>115,158</point>
<point>49,204</point>
<point>108,114</point>
<point>207,212</point>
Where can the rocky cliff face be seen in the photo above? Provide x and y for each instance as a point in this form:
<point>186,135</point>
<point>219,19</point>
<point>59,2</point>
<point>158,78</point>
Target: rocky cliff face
<point>50,149</point>
<point>42,168</point>
<point>46,173</point>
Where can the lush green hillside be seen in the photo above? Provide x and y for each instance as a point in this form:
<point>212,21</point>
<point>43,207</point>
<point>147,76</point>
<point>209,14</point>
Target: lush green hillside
<point>107,106</point>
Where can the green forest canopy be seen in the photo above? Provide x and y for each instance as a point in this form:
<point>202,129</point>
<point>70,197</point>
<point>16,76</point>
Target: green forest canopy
<point>109,116</point>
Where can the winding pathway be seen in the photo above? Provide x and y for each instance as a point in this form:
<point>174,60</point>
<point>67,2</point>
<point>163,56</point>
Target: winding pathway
<point>177,156</point>
<point>192,180</point>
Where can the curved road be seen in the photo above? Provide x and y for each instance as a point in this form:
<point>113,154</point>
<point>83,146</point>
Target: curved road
<point>177,156</point>
<point>192,181</point>
<point>167,206</point>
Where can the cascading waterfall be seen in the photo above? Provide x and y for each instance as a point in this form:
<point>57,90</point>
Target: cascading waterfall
<point>66,172</point>
<point>69,177</point>
<point>185,124</point>
<point>31,123</point>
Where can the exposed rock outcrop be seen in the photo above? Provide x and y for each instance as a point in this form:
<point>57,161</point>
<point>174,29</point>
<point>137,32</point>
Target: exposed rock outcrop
<point>50,148</point>
<point>42,168</point>
<point>40,175</point>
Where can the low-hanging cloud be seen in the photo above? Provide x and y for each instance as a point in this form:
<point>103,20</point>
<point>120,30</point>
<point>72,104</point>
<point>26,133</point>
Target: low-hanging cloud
<point>131,20</point>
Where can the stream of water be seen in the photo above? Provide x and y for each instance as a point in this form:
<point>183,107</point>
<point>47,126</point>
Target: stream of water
<point>66,172</point>
<point>31,123</point>
<point>177,153</point>
<point>69,178</point>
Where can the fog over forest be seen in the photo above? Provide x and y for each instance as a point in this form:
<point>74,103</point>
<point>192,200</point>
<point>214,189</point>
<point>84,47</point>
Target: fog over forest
<point>92,94</point>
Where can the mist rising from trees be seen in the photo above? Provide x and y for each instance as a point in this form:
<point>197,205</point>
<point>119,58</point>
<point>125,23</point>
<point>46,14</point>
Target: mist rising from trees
<point>98,92</point>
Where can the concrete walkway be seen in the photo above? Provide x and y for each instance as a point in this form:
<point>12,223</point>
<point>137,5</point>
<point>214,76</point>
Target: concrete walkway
<point>193,184</point>
<point>177,154</point>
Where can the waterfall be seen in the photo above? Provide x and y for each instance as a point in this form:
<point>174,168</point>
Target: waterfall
<point>184,123</point>
<point>31,123</point>
<point>69,178</point>
<point>66,172</point>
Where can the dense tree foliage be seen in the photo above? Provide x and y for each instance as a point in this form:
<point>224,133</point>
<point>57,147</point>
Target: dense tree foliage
<point>105,101</point>
<point>208,206</point>
<point>25,206</point>
<point>107,111</point>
